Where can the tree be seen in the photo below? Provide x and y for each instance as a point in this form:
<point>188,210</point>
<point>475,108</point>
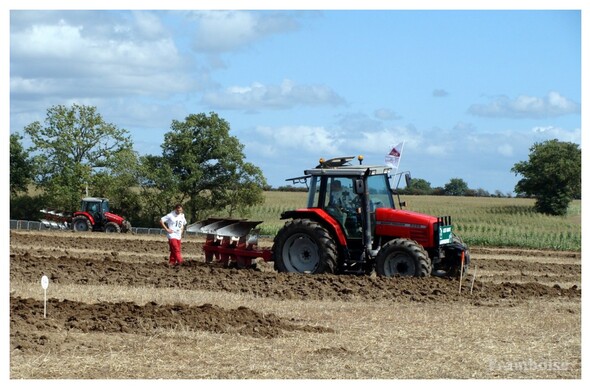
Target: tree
<point>553,175</point>
<point>482,193</point>
<point>21,167</point>
<point>456,187</point>
<point>159,188</point>
<point>419,186</point>
<point>73,149</point>
<point>118,182</point>
<point>203,167</point>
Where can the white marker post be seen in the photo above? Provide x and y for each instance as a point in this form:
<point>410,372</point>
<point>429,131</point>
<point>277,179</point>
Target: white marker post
<point>44,284</point>
<point>473,280</point>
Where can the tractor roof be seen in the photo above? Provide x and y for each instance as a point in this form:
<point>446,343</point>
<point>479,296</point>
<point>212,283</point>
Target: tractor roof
<point>357,170</point>
<point>94,199</point>
<point>341,167</point>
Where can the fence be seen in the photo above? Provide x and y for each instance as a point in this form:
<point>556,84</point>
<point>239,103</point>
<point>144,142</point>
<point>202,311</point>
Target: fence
<point>39,226</point>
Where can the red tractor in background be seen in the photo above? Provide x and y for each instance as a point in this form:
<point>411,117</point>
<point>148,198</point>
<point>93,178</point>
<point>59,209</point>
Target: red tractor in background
<point>93,215</point>
<point>350,225</point>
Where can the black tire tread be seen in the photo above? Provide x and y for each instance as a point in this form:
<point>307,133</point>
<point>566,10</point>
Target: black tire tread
<point>328,250</point>
<point>113,225</point>
<point>76,219</point>
<point>411,247</point>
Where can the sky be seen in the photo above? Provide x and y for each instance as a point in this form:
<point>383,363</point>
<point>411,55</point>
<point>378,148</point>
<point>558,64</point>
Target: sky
<point>468,92</point>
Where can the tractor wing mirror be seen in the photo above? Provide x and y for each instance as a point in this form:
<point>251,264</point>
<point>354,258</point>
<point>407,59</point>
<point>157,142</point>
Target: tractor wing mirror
<point>408,180</point>
<point>359,186</point>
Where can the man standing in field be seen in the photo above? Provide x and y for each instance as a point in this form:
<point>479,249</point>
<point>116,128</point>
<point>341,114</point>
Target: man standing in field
<point>174,224</point>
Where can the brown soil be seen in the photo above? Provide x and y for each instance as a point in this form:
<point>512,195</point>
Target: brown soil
<point>506,277</point>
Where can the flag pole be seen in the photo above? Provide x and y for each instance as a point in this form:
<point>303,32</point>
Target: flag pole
<point>400,154</point>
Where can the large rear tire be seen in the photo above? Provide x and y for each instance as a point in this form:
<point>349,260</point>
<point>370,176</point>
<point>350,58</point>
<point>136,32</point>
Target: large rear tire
<point>304,246</point>
<point>81,224</point>
<point>112,227</point>
<point>403,257</point>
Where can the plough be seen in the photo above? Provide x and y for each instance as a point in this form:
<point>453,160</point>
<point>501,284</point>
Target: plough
<point>53,219</point>
<point>230,242</point>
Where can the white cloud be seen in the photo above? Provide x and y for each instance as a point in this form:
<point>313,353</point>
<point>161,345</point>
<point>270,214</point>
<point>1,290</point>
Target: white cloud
<point>219,31</point>
<point>552,132</point>
<point>383,139</point>
<point>551,105</point>
<point>57,40</point>
<point>257,96</point>
<point>386,114</point>
<point>95,57</point>
<point>316,141</point>
<point>483,159</point>
<point>149,25</point>
<point>505,150</point>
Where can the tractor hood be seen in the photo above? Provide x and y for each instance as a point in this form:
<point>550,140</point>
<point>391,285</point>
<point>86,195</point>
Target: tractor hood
<point>405,224</point>
<point>114,217</point>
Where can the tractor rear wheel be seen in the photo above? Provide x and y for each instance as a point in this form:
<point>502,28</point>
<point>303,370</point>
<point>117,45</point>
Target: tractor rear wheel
<point>112,227</point>
<point>403,257</point>
<point>304,246</point>
<point>81,224</point>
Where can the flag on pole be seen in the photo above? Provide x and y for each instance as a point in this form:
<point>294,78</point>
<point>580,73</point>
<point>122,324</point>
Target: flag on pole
<point>392,159</point>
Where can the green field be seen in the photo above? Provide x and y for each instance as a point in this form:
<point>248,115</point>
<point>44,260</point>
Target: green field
<point>480,221</point>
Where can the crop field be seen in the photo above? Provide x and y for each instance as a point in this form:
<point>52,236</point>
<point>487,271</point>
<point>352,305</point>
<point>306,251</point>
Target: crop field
<point>116,310</point>
<point>481,221</point>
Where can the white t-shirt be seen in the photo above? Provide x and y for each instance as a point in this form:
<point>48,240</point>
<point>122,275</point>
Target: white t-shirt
<point>175,223</point>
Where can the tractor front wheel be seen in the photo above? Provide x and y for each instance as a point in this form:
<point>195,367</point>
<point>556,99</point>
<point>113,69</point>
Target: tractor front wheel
<point>125,226</point>
<point>304,246</point>
<point>453,261</point>
<point>112,227</point>
<point>403,257</point>
<point>81,224</point>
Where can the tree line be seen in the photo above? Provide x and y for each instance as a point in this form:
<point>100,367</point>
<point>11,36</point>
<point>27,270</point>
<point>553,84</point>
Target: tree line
<point>75,153</point>
<point>455,187</point>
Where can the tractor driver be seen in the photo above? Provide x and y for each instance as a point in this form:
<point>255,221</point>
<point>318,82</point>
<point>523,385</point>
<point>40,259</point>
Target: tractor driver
<point>95,211</point>
<point>336,205</point>
<point>343,207</point>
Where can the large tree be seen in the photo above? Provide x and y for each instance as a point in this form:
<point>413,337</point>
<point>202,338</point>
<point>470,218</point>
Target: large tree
<point>419,186</point>
<point>456,187</point>
<point>73,150</point>
<point>118,181</point>
<point>159,188</point>
<point>21,167</point>
<point>553,175</point>
<point>203,167</point>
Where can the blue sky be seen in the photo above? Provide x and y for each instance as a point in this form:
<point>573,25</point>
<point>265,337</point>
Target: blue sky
<point>469,92</point>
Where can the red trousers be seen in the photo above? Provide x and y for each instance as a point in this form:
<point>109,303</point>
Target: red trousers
<point>175,252</point>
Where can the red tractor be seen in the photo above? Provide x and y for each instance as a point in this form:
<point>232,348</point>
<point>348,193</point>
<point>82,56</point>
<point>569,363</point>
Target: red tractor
<point>93,215</point>
<point>350,225</point>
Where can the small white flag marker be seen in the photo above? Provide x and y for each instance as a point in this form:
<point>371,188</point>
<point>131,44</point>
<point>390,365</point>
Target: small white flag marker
<point>44,285</point>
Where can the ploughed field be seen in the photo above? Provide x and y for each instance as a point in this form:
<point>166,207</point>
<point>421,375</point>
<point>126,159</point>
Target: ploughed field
<point>116,310</point>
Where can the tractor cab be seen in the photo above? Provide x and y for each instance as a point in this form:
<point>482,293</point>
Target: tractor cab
<point>97,207</point>
<point>339,191</point>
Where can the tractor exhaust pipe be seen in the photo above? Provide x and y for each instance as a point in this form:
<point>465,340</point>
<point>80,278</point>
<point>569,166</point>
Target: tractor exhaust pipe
<point>362,189</point>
